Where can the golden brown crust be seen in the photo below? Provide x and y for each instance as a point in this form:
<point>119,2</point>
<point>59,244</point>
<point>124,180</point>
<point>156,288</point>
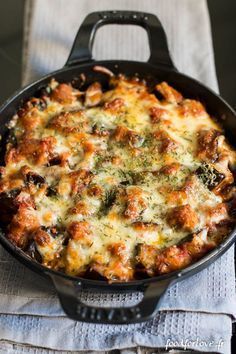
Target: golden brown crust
<point>41,237</point>
<point>69,122</point>
<point>93,95</point>
<point>114,105</point>
<point>208,144</point>
<point>119,269</point>
<point>62,94</point>
<point>172,258</point>
<point>135,203</point>
<point>157,114</point>
<point>169,93</point>
<point>23,224</point>
<point>167,144</point>
<point>117,183</point>
<point>183,217</point>
<point>191,107</point>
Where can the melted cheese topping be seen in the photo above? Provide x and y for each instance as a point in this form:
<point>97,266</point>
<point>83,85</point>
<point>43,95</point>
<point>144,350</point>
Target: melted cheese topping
<point>118,170</point>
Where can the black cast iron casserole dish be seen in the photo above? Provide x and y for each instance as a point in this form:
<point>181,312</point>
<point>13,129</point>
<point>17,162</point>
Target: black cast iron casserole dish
<point>159,67</point>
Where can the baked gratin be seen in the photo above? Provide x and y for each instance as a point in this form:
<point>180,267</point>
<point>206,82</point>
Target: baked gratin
<point>121,183</point>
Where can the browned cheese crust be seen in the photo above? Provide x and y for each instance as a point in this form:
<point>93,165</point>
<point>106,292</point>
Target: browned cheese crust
<point>119,184</point>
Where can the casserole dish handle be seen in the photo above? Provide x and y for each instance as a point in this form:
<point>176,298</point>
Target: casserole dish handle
<point>68,292</point>
<point>83,44</point>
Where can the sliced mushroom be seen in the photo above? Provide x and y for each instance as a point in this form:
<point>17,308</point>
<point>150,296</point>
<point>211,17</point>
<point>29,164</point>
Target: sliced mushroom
<point>93,95</point>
